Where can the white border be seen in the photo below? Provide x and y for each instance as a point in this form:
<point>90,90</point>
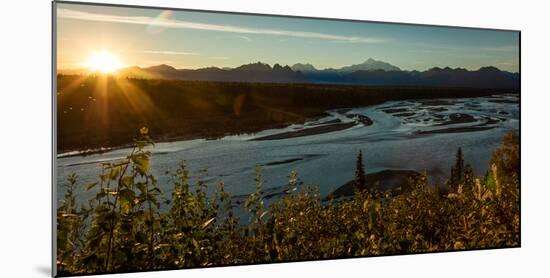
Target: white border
<point>26,137</point>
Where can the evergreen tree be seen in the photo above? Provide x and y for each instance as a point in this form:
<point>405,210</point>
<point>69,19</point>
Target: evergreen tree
<point>459,165</point>
<point>452,179</point>
<point>360,172</point>
<point>457,171</point>
<point>468,177</point>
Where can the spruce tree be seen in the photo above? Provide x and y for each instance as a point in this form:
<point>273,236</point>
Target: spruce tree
<point>360,172</point>
<point>459,165</point>
<point>452,179</point>
<point>468,177</point>
<point>457,171</point>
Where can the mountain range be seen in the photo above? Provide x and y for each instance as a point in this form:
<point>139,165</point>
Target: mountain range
<point>370,72</point>
<point>369,65</point>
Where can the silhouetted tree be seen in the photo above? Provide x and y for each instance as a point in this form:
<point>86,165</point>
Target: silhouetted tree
<point>360,172</point>
<point>457,171</point>
<point>468,177</point>
<point>459,164</point>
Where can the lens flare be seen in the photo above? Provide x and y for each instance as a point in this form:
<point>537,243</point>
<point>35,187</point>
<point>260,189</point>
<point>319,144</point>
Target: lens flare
<point>155,26</point>
<point>103,61</point>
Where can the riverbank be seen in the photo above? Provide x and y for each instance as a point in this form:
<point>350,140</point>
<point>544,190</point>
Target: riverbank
<point>183,110</point>
<point>393,181</point>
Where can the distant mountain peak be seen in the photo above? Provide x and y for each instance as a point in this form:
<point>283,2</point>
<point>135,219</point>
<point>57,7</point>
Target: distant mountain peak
<point>303,67</point>
<point>258,66</point>
<point>369,65</point>
<point>489,68</point>
<point>162,67</point>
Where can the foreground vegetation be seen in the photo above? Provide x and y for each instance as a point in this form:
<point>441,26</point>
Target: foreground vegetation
<point>103,111</point>
<point>123,228</point>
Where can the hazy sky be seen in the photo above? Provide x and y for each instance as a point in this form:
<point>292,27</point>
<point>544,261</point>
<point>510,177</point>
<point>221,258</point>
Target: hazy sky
<point>146,37</point>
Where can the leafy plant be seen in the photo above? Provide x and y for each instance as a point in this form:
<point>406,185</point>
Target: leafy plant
<point>123,227</point>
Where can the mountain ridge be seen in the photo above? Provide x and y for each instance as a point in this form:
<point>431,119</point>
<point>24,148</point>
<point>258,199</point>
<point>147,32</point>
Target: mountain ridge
<point>370,72</point>
<point>369,64</point>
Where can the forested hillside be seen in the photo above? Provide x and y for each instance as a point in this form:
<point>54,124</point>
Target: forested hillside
<point>101,111</point>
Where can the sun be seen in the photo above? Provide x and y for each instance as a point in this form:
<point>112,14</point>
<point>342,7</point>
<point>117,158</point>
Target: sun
<point>103,61</point>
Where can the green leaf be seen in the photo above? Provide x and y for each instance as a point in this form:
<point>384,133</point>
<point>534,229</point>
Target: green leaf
<point>142,162</point>
<point>125,205</point>
<point>127,181</point>
<point>141,187</point>
<point>207,222</point>
<point>127,194</point>
<point>101,209</point>
<point>263,214</point>
<point>100,195</point>
<point>115,171</point>
<point>91,185</point>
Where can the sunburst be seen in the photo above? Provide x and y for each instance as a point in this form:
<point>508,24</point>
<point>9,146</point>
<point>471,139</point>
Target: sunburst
<point>103,61</point>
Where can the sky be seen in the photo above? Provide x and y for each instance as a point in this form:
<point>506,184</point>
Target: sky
<point>190,39</point>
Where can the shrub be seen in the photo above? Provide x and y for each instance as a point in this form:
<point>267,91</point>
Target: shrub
<point>122,228</point>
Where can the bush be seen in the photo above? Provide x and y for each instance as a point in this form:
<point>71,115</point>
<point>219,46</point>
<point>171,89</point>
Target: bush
<point>122,229</point>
